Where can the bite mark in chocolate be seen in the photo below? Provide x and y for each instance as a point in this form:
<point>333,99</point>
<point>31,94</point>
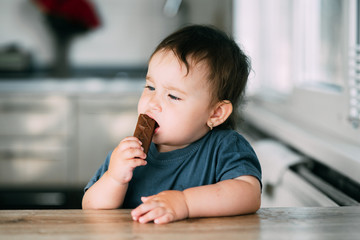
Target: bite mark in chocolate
<point>144,130</point>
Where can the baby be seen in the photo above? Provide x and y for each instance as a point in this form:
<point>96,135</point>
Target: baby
<point>197,164</point>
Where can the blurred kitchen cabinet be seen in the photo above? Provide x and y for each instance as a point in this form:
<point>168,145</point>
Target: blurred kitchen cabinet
<point>103,120</point>
<point>57,133</point>
<point>34,136</point>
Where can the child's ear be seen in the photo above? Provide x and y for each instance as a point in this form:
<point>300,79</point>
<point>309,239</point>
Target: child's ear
<point>220,113</point>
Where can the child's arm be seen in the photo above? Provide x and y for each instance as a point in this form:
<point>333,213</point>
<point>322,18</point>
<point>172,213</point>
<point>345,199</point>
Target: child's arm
<point>109,191</point>
<point>230,197</point>
<point>106,193</point>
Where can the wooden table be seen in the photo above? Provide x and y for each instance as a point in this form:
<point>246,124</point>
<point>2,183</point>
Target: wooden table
<point>268,223</point>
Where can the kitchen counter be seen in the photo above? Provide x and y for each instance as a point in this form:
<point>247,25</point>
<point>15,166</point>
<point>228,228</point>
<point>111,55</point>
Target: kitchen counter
<point>268,223</point>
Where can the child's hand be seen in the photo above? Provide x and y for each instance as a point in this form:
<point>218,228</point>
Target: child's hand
<point>125,158</point>
<point>167,206</point>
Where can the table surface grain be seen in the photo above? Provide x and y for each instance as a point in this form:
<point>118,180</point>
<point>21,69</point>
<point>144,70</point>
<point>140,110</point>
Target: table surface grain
<point>268,223</point>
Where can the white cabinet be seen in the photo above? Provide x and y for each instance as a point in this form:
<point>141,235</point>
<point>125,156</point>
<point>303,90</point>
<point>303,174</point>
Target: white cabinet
<point>57,133</point>
<point>34,131</point>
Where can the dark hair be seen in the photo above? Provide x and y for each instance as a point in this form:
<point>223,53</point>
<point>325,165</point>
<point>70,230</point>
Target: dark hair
<point>228,66</point>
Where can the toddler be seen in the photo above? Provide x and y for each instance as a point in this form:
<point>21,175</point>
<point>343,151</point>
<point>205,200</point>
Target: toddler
<point>197,165</point>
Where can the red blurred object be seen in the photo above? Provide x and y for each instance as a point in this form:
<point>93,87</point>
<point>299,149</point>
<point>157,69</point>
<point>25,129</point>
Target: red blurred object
<point>80,12</point>
<point>66,19</point>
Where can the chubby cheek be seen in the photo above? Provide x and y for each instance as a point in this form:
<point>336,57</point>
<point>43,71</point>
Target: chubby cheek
<point>180,125</point>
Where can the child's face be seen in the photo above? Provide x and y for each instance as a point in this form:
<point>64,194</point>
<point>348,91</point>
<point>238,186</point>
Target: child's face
<point>179,103</point>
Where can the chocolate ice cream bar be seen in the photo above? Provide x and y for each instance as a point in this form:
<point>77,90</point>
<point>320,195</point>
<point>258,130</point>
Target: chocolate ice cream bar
<point>144,130</point>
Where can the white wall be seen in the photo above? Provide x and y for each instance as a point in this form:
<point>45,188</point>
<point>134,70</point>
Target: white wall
<point>130,29</point>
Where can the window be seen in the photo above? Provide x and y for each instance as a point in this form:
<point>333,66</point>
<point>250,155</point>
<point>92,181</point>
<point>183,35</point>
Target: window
<point>354,65</point>
<point>322,41</point>
<point>264,30</point>
<point>307,51</point>
<point>305,87</point>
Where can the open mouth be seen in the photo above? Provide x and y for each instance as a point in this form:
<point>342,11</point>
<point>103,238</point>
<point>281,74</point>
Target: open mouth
<point>156,127</point>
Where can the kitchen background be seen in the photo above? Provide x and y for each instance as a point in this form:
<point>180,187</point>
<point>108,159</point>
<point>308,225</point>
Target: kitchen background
<point>68,91</point>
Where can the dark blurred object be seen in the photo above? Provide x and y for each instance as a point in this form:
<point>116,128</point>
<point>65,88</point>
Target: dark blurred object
<point>66,19</point>
<point>14,59</point>
<point>41,198</point>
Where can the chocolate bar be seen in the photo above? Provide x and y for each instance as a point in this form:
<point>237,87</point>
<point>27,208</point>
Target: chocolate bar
<point>144,130</point>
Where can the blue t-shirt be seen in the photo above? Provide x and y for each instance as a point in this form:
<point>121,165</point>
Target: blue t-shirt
<point>218,156</point>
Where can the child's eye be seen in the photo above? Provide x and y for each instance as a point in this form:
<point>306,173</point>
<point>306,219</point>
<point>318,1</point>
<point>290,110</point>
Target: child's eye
<point>150,88</point>
<point>174,97</point>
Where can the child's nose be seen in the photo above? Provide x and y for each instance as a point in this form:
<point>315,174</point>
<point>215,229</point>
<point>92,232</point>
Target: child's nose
<point>155,103</point>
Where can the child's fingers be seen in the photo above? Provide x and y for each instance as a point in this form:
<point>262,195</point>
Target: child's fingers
<point>136,162</point>
<point>129,142</point>
<point>142,209</point>
<point>152,211</point>
<point>131,139</point>
<point>129,148</point>
<point>134,153</point>
<point>144,199</point>
<point>153,215</point>
<point>131,165</point>
<point>147,212</point>
<point>127,170</point>
<point>166,218</point>
<point>137,212</point>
